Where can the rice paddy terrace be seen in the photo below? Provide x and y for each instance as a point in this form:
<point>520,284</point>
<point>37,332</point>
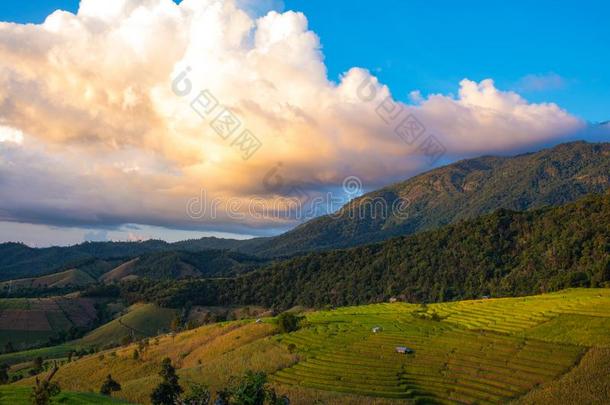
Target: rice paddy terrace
<point>526,350</point>
<point>28,321</point>
<point>481,351</point>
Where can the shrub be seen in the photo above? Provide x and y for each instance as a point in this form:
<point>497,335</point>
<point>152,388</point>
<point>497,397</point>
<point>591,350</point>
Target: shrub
<point>199,395</point>
<point>109,386</point>
<point>288,322</point>
<point>4,379</point>
<point>251,389</point>
<point>44,390</point>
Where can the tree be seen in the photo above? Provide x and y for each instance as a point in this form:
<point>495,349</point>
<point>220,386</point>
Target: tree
<point>199,395</point>
<point>126,340</point>
<point>4,378</point>
<point>251,389</point>
<point>8,347</point>
<point>168,391</point>
<point>44,390</point>
<point>176,323</point>
<point>288,322</point>
<point>37,364</point>
<point>109,386</point>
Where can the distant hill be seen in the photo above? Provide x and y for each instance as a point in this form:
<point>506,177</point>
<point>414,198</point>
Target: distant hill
<point>20,261</point>
<point>506,253</point>
<point>68,278</point>
<point>183,264</point>
<point>219,244</point>
<point>141,320</point>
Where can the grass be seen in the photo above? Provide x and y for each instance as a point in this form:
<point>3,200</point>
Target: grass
<point>588,383</point>
<point>480,351</point>
<point>448,363</point>
<point>53,352</point>
<point>14,303</point>
<point>580,329</point>
<point>20,395</point>
<point>143,320</point>
<point>147,319</point>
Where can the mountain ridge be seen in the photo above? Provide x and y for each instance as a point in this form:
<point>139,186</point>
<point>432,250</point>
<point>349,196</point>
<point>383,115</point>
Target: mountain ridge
<point>464,189</point>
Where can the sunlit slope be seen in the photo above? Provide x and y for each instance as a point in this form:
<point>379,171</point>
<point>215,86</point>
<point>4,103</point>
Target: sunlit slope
<point>485,351</point>
<point>142,320</point>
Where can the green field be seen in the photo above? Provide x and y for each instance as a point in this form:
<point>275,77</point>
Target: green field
<point>487,351</point>
<point>21,396</point>
<point>142,320</point>
<point>53,352</point>
<point>480,351</point>
<point>448,363</point>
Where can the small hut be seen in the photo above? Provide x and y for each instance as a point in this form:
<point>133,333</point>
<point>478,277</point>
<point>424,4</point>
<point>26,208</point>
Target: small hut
<point>403,350</point>
<point>376,329</point>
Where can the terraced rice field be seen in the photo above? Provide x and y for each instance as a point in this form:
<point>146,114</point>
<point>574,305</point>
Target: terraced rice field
<point>470,352</point>
<point>28,322</point>
<point>520,314</point>
<point>474,352</point>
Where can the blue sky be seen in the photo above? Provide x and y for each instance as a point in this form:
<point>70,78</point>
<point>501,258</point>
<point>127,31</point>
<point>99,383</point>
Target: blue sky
<point>545,50</point>
<point>430,46</point>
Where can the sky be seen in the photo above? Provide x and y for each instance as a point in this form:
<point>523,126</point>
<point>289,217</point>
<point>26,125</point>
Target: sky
<point>107,113</point>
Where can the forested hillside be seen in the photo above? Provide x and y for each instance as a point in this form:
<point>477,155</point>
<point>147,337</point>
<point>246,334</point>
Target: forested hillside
<point>462,190</point>
<point>506,253</point>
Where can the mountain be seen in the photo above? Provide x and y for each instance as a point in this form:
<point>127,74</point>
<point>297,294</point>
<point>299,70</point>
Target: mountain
<point>184,264</point>
<point>63,279</point>
<point>20,261</point>
<point>442,196</point>
<point>505,253</point>
<point>214,243</point>
<point>462,190</point>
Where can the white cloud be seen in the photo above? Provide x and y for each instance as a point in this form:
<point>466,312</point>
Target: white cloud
<point>8,134</point>
<point>541,82</point>
<point>114,144</point>
<point>485,119</point>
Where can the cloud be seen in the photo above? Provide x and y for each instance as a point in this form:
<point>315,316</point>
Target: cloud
<point>8,134</point>
<point>105,140</point>
<point>483,118</point>
<point>541,82</point>
<point>256,8</point>
<point>96,236</point>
